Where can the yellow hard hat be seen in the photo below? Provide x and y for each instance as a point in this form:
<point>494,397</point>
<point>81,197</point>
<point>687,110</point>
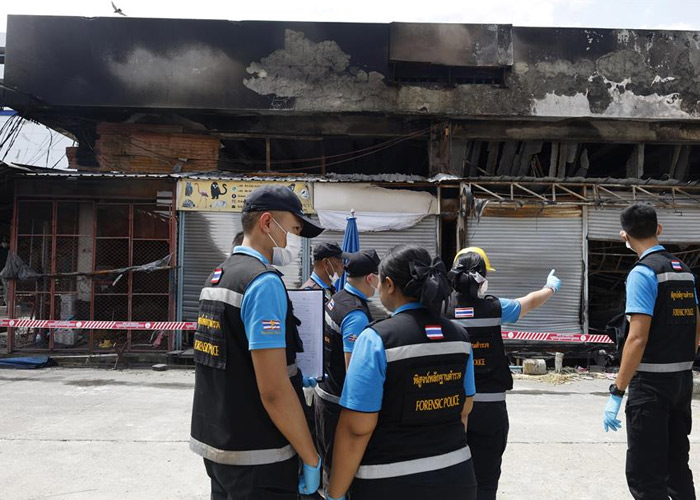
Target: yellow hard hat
<point>476,250</point>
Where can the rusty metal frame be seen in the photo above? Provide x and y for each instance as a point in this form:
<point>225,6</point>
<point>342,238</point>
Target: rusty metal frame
<point>578,194</point>
<point>173,284</point>
<point>55,201</point>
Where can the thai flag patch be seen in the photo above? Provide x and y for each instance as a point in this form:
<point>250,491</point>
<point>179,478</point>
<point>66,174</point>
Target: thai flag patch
<point>676,265</point>
<point>216,277</point>
<point>464,312</point>
<point>271,325</point>
<point>331,305</point>
<point>434,332</point>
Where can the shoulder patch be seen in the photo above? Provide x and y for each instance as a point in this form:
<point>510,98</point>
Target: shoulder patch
<point>331,304</point>
<point>216,277</point>
<point>676,265</point>
<point>434,332</point>
<point>271,326</point>
<point>464,312</point>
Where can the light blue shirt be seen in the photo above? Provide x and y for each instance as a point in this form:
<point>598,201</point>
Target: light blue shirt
<point>317,279</point>
<point>642,287</point>
<point>354,322</point>
<point>510,310</point>
<point>264,307</point>
<point>364,383</point>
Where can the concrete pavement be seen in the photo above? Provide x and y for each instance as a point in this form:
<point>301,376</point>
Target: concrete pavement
<point>100,434</point>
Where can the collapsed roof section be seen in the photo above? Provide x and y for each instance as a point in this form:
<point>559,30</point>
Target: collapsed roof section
<point>470,101</point>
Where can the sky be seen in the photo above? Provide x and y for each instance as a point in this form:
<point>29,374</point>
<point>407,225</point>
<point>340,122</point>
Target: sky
<point>639,14</point>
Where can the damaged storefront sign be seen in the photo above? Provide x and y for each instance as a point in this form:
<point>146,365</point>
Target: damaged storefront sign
<point>225,195</point>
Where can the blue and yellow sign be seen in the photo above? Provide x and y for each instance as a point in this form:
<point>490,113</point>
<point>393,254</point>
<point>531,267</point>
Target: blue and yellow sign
<point>224,195</point>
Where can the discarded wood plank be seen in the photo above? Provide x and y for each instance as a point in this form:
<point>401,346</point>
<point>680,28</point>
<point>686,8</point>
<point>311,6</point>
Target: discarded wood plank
<point>510,149</point>
<point>553,159</point>
<point>493,148</point>
<point>635,163</point>
<point>683,162</point>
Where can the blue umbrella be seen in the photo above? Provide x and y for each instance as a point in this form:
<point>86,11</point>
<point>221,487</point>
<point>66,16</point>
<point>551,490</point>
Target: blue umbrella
<point>351,244</point>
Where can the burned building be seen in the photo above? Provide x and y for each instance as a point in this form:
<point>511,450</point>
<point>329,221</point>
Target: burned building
<point>525,141</point>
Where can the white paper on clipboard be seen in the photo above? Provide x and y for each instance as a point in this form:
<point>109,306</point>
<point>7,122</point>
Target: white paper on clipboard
<point>308,308</point>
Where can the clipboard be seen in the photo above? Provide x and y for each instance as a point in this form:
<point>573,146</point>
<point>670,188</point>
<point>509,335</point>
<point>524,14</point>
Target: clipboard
<point>309,309</point>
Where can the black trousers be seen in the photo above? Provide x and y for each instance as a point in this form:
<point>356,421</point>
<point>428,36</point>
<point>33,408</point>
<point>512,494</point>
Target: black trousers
<point>278,481</point>
<point>658,424</point>
<point>326,415</point>
<point>452,483</point>
<point>487,435</point>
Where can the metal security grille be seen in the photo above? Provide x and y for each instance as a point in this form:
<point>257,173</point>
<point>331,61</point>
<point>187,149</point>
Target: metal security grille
<point>207,242</point>
<point>423,234</point>
<point>60,238</point>
<point>679,226</point>
<point>523,250</point>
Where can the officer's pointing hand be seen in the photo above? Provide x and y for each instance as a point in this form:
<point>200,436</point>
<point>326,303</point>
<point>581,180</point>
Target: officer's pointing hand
<point>553,282</point>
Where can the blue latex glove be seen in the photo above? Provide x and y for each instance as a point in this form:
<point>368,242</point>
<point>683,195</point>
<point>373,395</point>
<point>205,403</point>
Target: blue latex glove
<point>310,479</point>
<point>308,381</point>
<point>331,498</point>
<point>610,420</point>
<point>553,282</point>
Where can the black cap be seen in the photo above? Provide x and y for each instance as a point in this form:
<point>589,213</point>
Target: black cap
<point>362,263</point>
<point>328,250</point>
<point>281,199</point>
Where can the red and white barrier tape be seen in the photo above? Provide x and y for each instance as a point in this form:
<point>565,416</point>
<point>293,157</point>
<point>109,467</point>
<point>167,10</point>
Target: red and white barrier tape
<point>191,325</point>
<point>557,337</point>
<point>98,325</point>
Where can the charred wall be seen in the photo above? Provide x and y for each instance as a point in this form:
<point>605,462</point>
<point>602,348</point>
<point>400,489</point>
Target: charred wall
<point>280,67</point>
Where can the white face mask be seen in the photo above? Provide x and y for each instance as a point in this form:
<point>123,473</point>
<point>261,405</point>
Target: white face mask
<point>374,288</point>
<point>483,284</point>
<point>333,277</point>
<point>627,244</point>
<point>282,256</point>
<point>483,289</point>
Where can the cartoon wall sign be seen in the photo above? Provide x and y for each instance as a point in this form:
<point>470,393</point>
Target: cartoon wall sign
<point>222,195</point>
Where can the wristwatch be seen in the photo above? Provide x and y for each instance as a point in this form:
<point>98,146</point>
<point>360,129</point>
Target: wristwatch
<point>615,391</point>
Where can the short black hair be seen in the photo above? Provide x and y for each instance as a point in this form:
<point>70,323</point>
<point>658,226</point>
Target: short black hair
<point>248,221</point>
<point>639,221</point>
<point>238,239</point>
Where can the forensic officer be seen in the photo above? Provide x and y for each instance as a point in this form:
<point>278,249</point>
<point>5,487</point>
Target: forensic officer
<point>347,315</point>
<point>328,265</point>
<point>407,393</point>
<point>482,315</point>
<point>247,418</point>
<point>657,360</point>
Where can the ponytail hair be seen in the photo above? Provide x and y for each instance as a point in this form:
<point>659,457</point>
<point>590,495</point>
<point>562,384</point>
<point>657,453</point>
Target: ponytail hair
<point>463,276</point>
<point>417,275</point>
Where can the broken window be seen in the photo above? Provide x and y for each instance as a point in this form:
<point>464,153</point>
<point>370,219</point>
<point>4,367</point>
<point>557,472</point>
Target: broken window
<point>436,75</point>
<point>320,156</point>
<point>565,159</point>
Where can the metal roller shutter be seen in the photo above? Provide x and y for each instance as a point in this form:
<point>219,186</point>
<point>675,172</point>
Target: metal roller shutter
<point>206,244</point>
<point>682,226</point>
<point>523,251</point>
<point>423,234</point>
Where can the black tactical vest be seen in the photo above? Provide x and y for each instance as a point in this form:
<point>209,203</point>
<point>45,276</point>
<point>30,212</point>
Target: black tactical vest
<point>671,345</point>
<point>229,423</point>
<point>482,319</point>
<point>312,285</point>
<point>342,304</point>
<point>423,392</point>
